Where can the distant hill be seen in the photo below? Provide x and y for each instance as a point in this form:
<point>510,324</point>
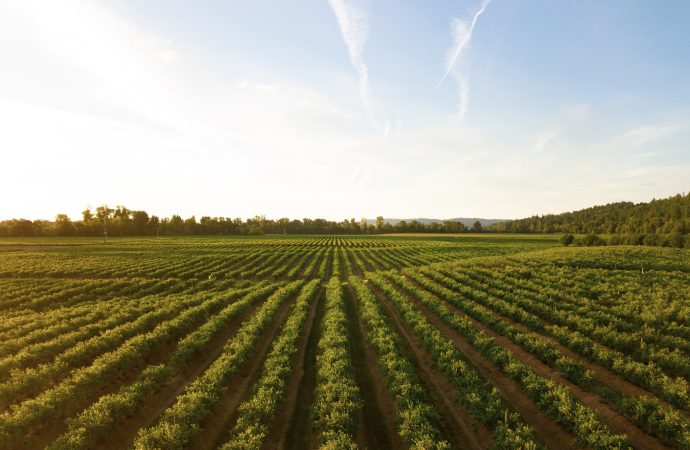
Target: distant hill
<point>669,215</point>
<point>465,220</point>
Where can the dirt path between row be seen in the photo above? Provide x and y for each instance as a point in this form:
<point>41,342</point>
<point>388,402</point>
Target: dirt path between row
<point>455,423</point>
<point>123,435</point>
<point>292,415</point>
<point>215,429</point>
<point>376,427</point>
<point>546,430</point>
<point>601,373</point>
<point>50,429</point>
<point>617,422</point>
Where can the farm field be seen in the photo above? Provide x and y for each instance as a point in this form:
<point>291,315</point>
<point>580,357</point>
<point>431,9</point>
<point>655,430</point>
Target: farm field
<point>298,342</point>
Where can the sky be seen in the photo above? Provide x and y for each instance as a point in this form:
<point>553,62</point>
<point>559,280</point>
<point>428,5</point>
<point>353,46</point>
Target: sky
<point>342,108</point>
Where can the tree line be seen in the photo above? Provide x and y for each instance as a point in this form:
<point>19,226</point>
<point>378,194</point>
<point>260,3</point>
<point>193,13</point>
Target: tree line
<point>121,221</point>
<point>663,223</point>
<point>658,217</point>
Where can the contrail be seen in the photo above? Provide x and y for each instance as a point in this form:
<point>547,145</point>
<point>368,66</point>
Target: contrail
<point>354,27</point>
<point>461,37</point>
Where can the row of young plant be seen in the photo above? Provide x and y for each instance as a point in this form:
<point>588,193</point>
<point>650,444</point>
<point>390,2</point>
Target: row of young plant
<point>92,425</point>
<point>179,425</point>
<point>325,262</point>
<point>375,260</point>
<point>296,270</point>
<point>257,413</point>
<point>406,258</point>
<point>482,401</point>
<point>55,324</point>
<point>106,319</point>
<point>378,259</point>
<point>44,325</point>
<point>337,397</point>
<point>346,264</point>
<point>311,270</point>
<point>15,290</point>
<point>669,352</point>
<point>664,422</point>
<point>545,320</point>
<point>52,298</point>
<point>631,303</point>
<point>335,262</point>
<point>268,263</point>
<point>26,383</point>
<point>62,398</point>
<point>553,399</point>
<point>416,419</point>
<point>614,289</point>
<point>355,254</point>
<point>299,258</point>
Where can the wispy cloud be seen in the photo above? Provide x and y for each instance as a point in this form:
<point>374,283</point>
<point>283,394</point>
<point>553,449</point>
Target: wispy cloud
<point>354,26</point>
<point>462,35</point>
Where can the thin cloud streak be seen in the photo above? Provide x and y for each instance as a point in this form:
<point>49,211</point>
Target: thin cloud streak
<point>354,27</point>
<point>462,35</point>
<point>461,38</point>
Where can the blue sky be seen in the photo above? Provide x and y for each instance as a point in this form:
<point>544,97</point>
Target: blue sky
<point>340,108</point>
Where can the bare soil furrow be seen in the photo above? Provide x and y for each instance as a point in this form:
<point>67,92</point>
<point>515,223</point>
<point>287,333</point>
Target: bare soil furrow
<point>122,436</point>
<point>377,416</point>
<point>546,430</point>
<point>455,422</point>
<point>217,426</point>
<point>303,379</point>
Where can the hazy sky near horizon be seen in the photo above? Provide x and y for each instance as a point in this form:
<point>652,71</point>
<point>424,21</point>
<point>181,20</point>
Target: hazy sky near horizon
<point>342,108</point>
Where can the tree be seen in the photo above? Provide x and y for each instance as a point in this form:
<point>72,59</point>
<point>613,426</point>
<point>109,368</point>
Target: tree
<point>379,224</point>
<point>567,239</point>
<point>22,228</point>
<point>154,223</point>
<point>364,225</point>
<point>63,225</point>
<point>104,215</point>
<point>477,226</point>
<point>283,222</point>
<point>175,225</point>
<point>190,226</point>
<point>140,221</point>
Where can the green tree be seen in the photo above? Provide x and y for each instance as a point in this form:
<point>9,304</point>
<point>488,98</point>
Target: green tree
<point>63,225</point>
<point>363,225</point>
<point>477,226</point>
<point>140,221</point>
<point>379,224</point>
<point>567,239</point>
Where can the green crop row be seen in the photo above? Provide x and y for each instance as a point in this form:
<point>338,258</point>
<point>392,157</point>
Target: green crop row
<point>665,422</point>
<point>258,412</point>
<point>416,418</point>
<point>94,422</point>
<point>178,426</point>
<point>482,401</point>
<point>337,397</point>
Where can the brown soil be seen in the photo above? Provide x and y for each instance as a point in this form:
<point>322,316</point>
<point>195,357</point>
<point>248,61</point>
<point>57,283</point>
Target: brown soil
<point>303,266</point>
<point>124,434</point>
<point>215,429</point>
<point>376,427</point>
<point>359,271</point>
<point>295,407</point>
<point>546,430</point>
<point>455,423</point>
<point>49,429</point>
<point>602,374</point>
<point>618,423</point>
